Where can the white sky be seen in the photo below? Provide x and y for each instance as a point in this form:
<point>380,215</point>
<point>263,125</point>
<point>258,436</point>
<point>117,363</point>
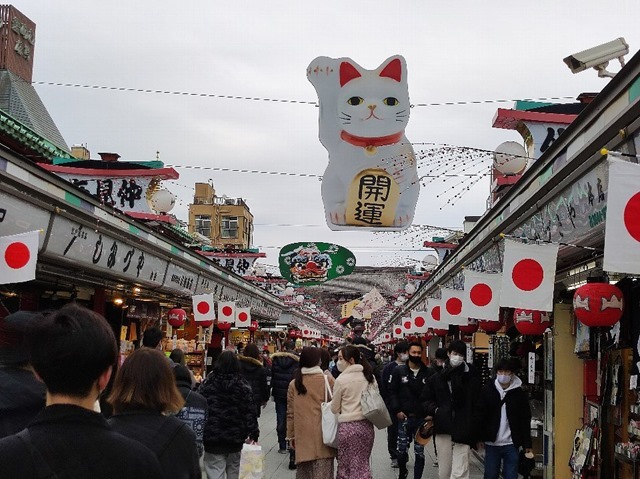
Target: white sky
<point>455,51</point>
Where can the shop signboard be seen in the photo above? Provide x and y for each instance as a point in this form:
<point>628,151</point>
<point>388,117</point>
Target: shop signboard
<point>97,251</point>
<point>180,279</point>
<point>315,263</point>
<point>18,216</point>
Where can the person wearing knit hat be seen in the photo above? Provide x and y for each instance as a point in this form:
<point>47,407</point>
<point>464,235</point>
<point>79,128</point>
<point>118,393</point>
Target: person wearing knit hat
<point>22,395</point>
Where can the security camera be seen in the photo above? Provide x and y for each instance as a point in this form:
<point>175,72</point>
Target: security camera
<point>598,57</point>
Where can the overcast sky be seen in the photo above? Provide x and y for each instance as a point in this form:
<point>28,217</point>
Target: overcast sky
<point>455,51</point>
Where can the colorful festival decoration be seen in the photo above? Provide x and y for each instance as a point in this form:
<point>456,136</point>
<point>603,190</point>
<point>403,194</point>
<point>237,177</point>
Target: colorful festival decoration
<point>598,304</point>
<point>18,257</point>
<point>203,308</point>
<point>315,263</point>
<point>531,322</point>
<point>176,317</point>
<point>481,294</point>
<point>371,181</point>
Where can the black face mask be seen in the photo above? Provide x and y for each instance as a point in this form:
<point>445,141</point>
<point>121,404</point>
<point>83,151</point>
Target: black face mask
<point>415,359</point>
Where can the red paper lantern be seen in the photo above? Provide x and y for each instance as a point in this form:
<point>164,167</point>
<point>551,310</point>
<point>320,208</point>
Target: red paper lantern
<point>176,317</point>
<point>490,326</point>
<point>530,321</point>
<point>598,304</point>
<point>205,324</point>
<point>427,336</point>
<point>253,327</point>
<point>469,328</point>
<point>224,326</point>
<point>441,332</point>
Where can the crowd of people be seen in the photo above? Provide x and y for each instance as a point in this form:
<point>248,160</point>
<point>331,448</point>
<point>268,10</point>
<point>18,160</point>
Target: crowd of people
<point>65,412</point>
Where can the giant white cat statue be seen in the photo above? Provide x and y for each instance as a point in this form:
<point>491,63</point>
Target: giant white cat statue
<point>371,181</point>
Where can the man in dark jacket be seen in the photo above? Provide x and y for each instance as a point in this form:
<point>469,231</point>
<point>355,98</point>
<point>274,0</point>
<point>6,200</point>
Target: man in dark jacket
<point>405,388</point>
<point>401,353</point>
<point>22,396</point>
<point>283,365</point>
<point>194,411</point>
<point>506,421</point>
<point>73,351</point>
<point>451,397</point>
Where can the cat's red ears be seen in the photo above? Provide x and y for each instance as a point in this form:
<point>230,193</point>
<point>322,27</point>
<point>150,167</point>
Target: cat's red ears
<point>348,72</point>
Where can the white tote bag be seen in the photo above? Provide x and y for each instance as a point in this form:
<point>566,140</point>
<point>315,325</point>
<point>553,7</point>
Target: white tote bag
<point>329,419</point>
<point>251,462</point>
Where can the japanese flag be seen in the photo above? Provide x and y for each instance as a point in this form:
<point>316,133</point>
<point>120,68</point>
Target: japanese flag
<point>435,316</point>
<point>203,308</point>
<point>227,311</point>
<point>397,331</point>
<point>420,321</point>
<point>387,337</point>
<point>19,255</point>
<point>407,326</point>
<point>622,230</point>
<point>481,295</point>
<point>452,307</point>
<point>528,275</point>
<point>243,317</point>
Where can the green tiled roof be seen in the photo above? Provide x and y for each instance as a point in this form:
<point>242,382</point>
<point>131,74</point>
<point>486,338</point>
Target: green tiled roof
<point>29,138</point>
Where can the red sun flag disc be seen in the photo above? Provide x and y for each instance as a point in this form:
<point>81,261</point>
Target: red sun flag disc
<point>454,306</point>
<point>435,313</point>
<point>17,255</point>
<point>481,294</point>
<point>243,317</point>
<point>527,274</point>
<point>203,307</point>
<point>227,310</point>
<point>632,217</point>
<point>420,322</point>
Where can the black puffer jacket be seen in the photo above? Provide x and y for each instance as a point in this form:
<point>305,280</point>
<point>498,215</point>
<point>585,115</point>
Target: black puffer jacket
<point>231,414</point>
<point>456,409</point>
<point>404,390</point>
<point>283,366</point>
<point>22,397</point>
<point>256,375</point>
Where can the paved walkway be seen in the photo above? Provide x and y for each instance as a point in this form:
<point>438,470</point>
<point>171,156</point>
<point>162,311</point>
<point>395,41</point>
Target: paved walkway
<point>276,465</point>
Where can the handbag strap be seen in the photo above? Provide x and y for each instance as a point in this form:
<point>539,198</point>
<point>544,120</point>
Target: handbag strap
<point>327,388</point>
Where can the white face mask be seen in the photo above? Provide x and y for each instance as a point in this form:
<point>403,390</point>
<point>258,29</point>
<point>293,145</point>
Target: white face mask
<point>342,365</point>
<point>455,360</point>
<point>403,357</point>
<point>504,378</point>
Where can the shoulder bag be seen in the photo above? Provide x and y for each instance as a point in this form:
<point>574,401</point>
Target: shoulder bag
<point>329,419</point>
<point>373,407</point>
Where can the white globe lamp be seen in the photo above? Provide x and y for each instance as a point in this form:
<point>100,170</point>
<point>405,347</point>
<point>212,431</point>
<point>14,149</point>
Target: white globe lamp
<point>510,158</point>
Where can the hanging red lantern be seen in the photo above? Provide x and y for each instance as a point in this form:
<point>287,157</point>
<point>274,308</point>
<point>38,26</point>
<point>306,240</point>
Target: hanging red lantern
<point>427,336</point>
<point>224,326</point>
<point>531,322</point>
<point>441,332</point>
<point>490,326</point>
<point>205,324</point>
<point>253,327</point>
<point>176,317</point>
<point>598,304</point>
<point>470,328</point>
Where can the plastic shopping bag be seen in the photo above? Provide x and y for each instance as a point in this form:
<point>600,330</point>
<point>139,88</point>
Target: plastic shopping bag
<point>251,462</point>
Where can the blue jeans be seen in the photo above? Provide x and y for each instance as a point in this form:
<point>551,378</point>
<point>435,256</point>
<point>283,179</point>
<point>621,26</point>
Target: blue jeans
<point>406,432</point>
<point>494,455</point>
<point>281,421</point>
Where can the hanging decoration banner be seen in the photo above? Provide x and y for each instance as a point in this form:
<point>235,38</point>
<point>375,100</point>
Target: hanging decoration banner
<point>528,276</point>
<point>481,295</point>
<point>622,232</point>
<point>371,181</point>
<point>452,311</point>
<point>315,263</point>
<point>18,257</point>
<point>370,303</point>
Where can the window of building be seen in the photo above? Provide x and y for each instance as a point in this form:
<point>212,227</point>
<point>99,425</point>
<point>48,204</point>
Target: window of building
<point>203,225</point>
<point>229,227</point>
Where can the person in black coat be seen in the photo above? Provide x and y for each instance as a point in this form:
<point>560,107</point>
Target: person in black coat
<point>401,353</point>
<point>194,411</point>
<point>231,417</point>
<point>143,393</point>
<point>73,351</point>
<point>283,365</point>
<point>22,395</point>
<point>255,373</point>
<point>451,397</point>
<point>505,421</point>
<point>405,389</point>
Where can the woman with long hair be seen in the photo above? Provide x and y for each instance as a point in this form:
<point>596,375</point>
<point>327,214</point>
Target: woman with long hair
<point>144,395</point>
<point>306,392</point>
<point>231,418</point>
<point>355,433</point>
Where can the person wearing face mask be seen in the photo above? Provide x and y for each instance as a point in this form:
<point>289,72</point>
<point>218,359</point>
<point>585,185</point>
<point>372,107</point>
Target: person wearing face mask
<point>506,422</point>
<point>405,387</point>
<point>401,353</point>
<point>451,397</point>
<point>355,432</point>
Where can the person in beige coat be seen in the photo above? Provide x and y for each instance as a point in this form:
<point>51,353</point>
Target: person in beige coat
<point>355,433</point>
<point>306,392</point>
